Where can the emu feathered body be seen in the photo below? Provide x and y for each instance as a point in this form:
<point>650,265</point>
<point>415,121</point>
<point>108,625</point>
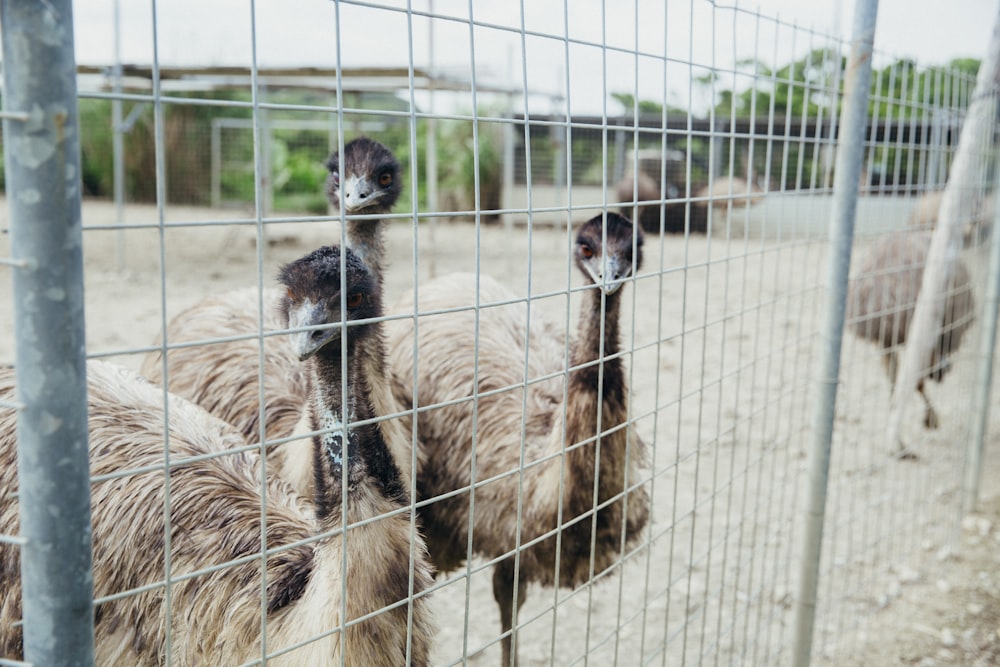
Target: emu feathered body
<point>224,378</point>
<point>215,517</point>
<point>883,296</point>
<point>573,424</point>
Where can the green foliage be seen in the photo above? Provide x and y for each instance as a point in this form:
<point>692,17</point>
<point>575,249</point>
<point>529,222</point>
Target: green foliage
<point>646,107</point>
<point>304,174</point>
<point>802,88</point>
<point>459,148</point>
<point>97,168</point>
<point>901,90</point>
<point>297,155</point>
<point>799,87</point>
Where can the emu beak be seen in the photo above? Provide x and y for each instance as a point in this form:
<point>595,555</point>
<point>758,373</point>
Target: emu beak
<point>612,277</point>
<point>356,193</point>
<point>308,343</point>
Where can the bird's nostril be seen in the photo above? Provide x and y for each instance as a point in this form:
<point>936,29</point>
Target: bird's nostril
<point>317,334</point>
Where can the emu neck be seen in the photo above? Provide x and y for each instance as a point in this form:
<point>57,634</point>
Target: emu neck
<point>593,342</point>
<point>343,448</point>
<point>596,383</point>
<point>364,237</point>
<point>596,404</point>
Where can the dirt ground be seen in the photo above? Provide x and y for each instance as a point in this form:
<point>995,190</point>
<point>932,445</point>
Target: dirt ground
<point>947,613</point>
<point>725,336</point>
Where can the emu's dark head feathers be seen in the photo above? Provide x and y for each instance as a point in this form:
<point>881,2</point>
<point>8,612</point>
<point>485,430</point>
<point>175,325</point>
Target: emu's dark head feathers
<point>313,298</point>
<point>608,266</point>
<point>368,179</point>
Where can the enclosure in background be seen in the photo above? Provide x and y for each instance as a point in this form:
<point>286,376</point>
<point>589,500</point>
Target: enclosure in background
<point>206,177</point>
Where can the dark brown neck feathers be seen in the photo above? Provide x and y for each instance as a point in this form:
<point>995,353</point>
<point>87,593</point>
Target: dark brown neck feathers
<point>365,459</point>
<point>588,347</point>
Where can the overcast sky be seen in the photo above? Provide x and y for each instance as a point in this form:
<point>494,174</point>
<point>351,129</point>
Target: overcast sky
<point>316,33</point>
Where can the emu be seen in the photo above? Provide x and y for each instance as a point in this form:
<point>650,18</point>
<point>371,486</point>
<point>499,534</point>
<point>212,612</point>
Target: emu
<point>883,296</point>
<point>214,618</point>
<point>575,426</point>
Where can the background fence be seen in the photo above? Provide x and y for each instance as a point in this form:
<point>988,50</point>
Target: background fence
<point>200,177</point>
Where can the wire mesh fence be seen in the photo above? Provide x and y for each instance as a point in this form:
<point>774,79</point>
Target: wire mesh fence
<point>641,439</point>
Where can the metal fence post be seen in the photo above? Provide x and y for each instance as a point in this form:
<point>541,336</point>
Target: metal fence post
<point>984,377</point>
<point>850,151</point>
<point>42,154</point>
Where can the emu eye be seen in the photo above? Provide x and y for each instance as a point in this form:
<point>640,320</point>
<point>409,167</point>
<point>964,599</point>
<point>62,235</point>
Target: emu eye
<point>290,294</point>
<point>586,251</point>
<point>385,179</point>
<point>354,300</point>
<point>335,176</point>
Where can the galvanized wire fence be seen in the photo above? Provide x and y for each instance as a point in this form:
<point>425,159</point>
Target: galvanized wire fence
<point>212,176</point>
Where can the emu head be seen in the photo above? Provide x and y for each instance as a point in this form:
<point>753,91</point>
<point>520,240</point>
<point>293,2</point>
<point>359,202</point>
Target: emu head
<point>318,301</point>
<point>367,180</point>
<point>604,250</point>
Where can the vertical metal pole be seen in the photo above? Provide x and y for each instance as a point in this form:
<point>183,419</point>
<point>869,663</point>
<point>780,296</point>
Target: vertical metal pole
<point>984,384</point>
<point>42,155</point>
<point>266,175</point>
<point>936,148</point>
<point>118,145</point>
<point>432,162</point>
<point>617,171</point>
<point>216,157</point>
<point>850,152</point>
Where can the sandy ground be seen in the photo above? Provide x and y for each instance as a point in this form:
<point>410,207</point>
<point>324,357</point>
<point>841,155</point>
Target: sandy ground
<point>725,337</point>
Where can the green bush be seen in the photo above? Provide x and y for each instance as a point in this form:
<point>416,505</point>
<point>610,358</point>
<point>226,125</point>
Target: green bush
<point>304,174</point>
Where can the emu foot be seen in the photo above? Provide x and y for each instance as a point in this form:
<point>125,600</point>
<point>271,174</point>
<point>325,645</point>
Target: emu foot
<point>931,419</point>
<point>904,453</point>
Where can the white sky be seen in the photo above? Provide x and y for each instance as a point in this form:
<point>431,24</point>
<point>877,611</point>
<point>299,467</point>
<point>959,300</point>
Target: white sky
<point>305,33</point>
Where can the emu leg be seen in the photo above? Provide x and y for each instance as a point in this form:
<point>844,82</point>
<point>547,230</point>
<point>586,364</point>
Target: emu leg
<point>891,366</point>
<point>930,414</point>
<point>503,593</point>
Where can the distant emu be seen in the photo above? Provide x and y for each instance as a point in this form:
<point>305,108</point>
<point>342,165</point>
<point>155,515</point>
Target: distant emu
<point>216,501</point>
<point>883,296</point>
<point>663,209</point>
<point>580,474</point>
<point>677,216</point>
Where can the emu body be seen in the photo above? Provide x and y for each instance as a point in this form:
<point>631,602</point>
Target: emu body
<point>222,511</point>
<point>574,425</point>
<point>883,296</point>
